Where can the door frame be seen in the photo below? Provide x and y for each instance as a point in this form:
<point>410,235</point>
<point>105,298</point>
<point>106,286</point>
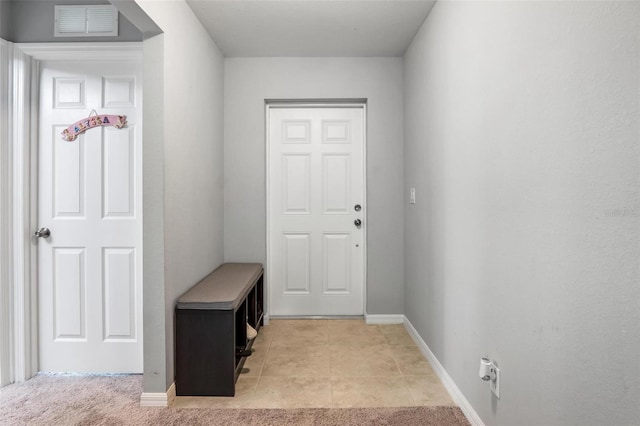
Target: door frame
<point>18,359</point>
<point>313,103</point>
<point>23,300</point>
<point>7,147</point>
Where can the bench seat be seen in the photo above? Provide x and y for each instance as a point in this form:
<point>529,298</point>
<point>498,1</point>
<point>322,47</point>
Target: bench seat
<point>223,289</point>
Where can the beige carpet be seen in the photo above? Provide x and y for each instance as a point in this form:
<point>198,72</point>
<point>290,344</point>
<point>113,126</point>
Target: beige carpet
<point>114,400</point>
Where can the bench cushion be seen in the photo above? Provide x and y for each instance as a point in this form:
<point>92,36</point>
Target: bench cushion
<point>223,289</point>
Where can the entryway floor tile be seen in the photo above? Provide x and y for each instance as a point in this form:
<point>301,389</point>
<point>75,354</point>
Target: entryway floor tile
<point>308,363</point>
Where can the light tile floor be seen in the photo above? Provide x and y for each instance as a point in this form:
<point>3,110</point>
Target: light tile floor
<point>331,363</point>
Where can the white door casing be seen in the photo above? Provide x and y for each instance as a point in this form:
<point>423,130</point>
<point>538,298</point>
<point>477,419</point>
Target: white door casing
<point>316,253</point>
<point>90,197</point>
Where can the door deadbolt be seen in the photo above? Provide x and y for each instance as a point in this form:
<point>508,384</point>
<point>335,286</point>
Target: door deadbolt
<point>357,207</point>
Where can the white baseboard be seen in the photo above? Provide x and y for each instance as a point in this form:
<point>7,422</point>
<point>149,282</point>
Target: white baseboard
<point>384,319</point>
<point>158,399</point>
<point>444,377</point>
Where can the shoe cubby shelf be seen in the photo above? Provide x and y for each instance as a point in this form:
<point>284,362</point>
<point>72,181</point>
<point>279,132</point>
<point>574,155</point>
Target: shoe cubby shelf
<point>211,342</point>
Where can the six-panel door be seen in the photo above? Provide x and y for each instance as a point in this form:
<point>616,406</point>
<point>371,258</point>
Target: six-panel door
<point>90,194</point>
<point>316,179</point>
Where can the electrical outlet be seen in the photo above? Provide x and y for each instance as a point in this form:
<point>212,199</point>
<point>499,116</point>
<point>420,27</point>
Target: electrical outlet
<point>494,384</point>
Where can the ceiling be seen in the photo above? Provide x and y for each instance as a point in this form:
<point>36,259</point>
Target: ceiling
<point>272,28</point>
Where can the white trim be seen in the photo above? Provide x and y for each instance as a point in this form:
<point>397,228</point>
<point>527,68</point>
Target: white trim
<point>158,399</point>
<point>365,218</point>
<point>18,359</point>
<point>32,192</point>
<point>384,318</point>
<point>87,51</point>
<point>444,377</point>
<point>23,293</point>
<point>314,103</point>
<point>6,229</point>
<point>266,275</point>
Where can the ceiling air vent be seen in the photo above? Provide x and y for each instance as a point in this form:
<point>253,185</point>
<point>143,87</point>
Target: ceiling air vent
<point>86,21</point>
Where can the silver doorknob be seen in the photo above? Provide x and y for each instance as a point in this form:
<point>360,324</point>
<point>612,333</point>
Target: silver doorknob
<point>357,223</point>
<point>43,233</point>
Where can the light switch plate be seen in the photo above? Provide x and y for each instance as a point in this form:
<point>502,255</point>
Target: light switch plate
<point>412,196</point>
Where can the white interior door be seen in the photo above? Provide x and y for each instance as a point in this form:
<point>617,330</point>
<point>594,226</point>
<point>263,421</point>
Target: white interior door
<point>90,193</point>
<point>316,193</point>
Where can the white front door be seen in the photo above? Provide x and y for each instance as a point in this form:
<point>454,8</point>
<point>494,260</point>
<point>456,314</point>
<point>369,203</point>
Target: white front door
<point>90,198</point>
<point>315,196</point>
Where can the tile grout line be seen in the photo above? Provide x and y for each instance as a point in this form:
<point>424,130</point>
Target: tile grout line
<point>330,364</point>
<point>255,390</point>
<point>254,399</point>
<point>404,379</point>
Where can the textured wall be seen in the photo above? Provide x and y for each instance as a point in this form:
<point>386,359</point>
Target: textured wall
<point>522,140</point>
<point>248,82</point>
<point>193,73</point>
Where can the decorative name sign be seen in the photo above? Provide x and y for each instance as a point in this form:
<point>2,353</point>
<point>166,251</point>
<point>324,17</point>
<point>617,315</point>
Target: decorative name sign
<point>79,127</point>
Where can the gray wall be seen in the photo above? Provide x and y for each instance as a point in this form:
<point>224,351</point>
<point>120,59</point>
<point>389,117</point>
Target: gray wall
<point>191,87</point>
<point>32,21</point>
<point>154,297</point>
<point>5,19</point>
<point>248,82</point>
<point>522,140</point>
<point>137,17</point>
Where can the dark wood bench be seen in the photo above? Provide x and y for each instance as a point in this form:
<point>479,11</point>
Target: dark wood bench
<point>211,329</point>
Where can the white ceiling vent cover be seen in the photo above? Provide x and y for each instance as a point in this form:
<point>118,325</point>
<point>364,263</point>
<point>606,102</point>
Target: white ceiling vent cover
<point>86,21</point>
